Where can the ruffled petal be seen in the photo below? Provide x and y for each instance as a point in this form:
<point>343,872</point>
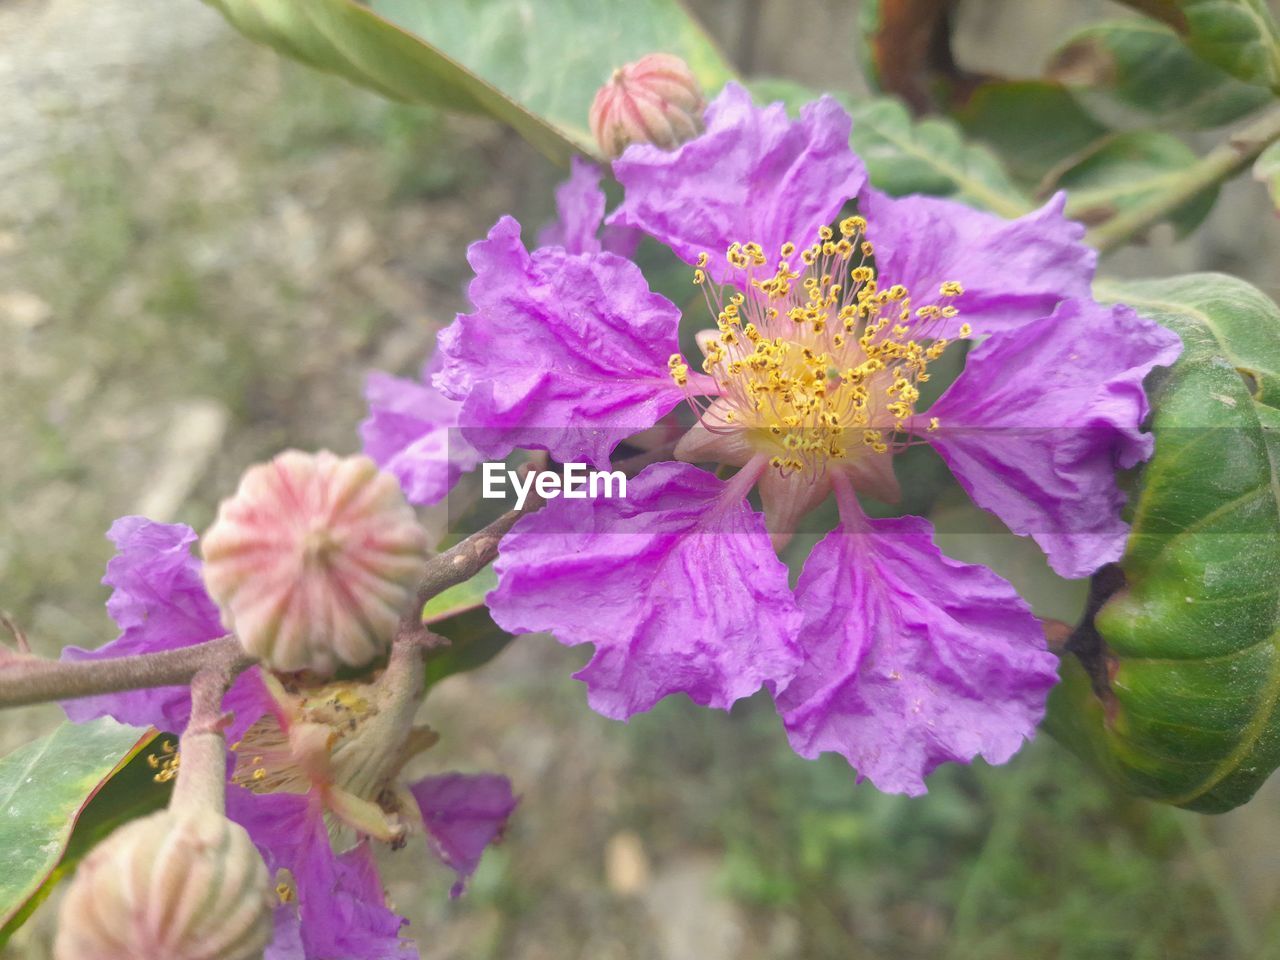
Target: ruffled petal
<point>463,814</point>
<point>565,353</point>
<point>1012,271</point>
<point>676,585</point>
<point>341,907</point>
<point>1041,418</point>
<point>159,603</point>
<point>755,175</point>
<point>411,432</point>
<point>579,210</point>
<point>912,659</point>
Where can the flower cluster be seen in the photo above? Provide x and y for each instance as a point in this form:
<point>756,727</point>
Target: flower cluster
<point>316,779</point>
<point>829,307</point>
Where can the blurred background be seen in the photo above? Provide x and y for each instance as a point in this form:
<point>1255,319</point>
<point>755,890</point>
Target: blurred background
<point>204,248</point>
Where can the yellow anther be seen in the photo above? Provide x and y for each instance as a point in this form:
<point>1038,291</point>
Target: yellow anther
<point>951,289</point>
<point>933,424</point>
<point>702,259</point>
<point>966,330</point>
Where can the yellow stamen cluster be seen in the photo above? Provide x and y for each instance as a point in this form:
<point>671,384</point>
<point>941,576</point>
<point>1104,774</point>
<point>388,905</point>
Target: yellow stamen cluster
<point>814,359</point>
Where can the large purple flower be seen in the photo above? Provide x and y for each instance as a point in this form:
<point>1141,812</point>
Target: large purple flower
<point>311,764</point>
<point>823,324</point>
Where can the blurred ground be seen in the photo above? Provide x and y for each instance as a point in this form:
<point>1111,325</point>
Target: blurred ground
<point>202,250</point>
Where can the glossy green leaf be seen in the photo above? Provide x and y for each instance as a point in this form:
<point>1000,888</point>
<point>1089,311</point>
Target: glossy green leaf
<point>1139,73</point>
<point>535,67</point>
<point>908,156</point>
<point>1177,689</point>
<point>1128,170</point>
<point>1267,170</point>
<point>48,789</point>
<point>1240,36</point>
<point>1036,127</point>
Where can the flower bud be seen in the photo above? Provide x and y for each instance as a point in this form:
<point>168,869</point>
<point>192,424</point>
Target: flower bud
<point>313,561</point>
<point>171,886</point>
<point>654,100</point>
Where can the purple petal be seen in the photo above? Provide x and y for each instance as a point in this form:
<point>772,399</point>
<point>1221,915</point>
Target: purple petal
<point>159,602</point>
<point>754,175</point>
<point>411,433</point>
<point>676,584</point>
<point>463,814</point>
<point>912,659</point>
<point>580,208</point>
<point>1042,417</point>
<point>342,909</point>
<point>1012,271</point>
<point>566,353</point>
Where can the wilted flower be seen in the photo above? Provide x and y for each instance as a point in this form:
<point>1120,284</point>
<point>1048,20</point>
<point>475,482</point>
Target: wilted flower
<point>825,326</point>
<point>313,561</point>
<point>174,885</point>
<point>654,100</point>
<point>317,771</point>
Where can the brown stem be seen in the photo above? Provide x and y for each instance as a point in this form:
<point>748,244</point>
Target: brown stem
<point>1221,163</point>
<point>34,680</point>
<point>202,751</point>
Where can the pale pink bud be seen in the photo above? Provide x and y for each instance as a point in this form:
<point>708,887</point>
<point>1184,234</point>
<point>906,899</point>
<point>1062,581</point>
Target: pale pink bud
<point>171,886</point>
<point>313,561</point>
<point>654,100</point>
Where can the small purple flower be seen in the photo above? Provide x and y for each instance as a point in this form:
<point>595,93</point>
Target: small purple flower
<point>311,764</point>
<point>886,652</point>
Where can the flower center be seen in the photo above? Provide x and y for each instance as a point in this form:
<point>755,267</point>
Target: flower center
<point>815,362</point>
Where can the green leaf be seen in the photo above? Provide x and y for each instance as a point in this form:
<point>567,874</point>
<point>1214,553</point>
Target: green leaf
<point>1138,73</point>
<point>57,797</point>
<point>1129,170</point>
<point>1267,170</point>
<point>930,156</point>
<point>474,640</point>
<point>1179,699</point>
<point>552,56</point>
<point>1035,126</point>
<point>1240,36</point>
<point>908,156</point>
<point>347,38</point>
<point>460,598</point>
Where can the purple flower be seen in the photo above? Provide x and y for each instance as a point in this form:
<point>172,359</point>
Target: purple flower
<point>820,336</point>
<point>311,766</point>
<point>411,432</point>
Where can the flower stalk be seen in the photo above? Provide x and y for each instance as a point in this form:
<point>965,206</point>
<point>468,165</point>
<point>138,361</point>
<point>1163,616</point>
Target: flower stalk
<point>28,679</point>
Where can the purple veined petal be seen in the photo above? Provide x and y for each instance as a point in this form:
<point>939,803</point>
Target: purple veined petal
<point>1012,271</point>
<point>912,659</point>
<point>565,353</point>
<point>159,603</point>
<point>1042,417</point>
<point>580,206</point>
<point>342,909</point>
<point>411,432</point>
<point>676,584</point>
<point>463,814</point>
<point>755,175</point>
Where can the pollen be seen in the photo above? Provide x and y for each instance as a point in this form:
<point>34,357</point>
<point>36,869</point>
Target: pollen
<point>811,357</point>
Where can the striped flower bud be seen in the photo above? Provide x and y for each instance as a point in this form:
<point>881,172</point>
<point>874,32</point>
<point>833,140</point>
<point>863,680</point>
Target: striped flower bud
<point>313,561</point>
<point>171,886</point>
<point>654,100</point>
